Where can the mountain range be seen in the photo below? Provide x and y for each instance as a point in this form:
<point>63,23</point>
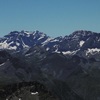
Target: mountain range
<point>83,43</point>
<point>68,67</point>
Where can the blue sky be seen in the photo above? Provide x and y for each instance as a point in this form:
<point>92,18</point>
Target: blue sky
<point>53,17</point>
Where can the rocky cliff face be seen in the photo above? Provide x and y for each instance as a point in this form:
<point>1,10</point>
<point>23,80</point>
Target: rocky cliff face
<point>67,77</point>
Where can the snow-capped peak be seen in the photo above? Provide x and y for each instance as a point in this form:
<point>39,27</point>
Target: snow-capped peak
<point>24,39</point>
<point>82,33</point>
<point>77,41</point>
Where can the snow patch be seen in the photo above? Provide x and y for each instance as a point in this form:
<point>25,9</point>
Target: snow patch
<point>4,45</point>
<point>13,48</point>
<point>81,43</point>
<point>92,51</point>
<point>55,46</point>
<point>46,41</point>
<point>47,49</point>
<point>56,50</point>
<point>42,36</point>
<point>2,64</point>
<point>69,52</point>
<point>24,45</point>
<point>11,43</point>
<point>17,43</point>
<point>27,33</point>
<point>55,40</point>
<point>34,93</point>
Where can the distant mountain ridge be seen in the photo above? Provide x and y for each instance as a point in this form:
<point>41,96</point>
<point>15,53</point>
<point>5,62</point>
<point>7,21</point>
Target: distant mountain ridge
<point>21,40</point>
<point>85,42</point>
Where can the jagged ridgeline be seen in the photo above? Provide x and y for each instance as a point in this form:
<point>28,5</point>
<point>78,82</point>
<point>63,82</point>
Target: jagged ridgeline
<point>34,66</point>
<point>82,42</point>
